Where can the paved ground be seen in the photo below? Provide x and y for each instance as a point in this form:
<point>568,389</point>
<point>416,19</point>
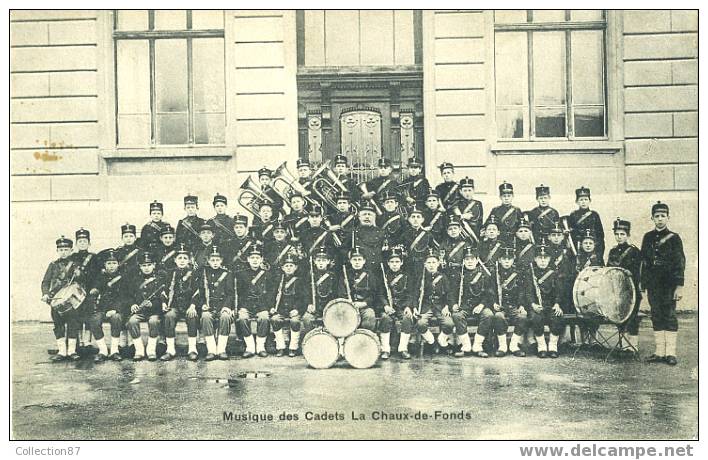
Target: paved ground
<point>499,398</point>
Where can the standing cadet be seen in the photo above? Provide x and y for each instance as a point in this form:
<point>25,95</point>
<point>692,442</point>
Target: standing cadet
<point>473,304</point>
<point>452,249</point>
<point>239,246</point>
<point>434,300</point>
<point>182,290</point>
<point>663,265</point>
<point>418,241</point>
<point>341,168</point>
<point>222,224</point>
<point>88,267</point>
<point>629,257</point>
<point>584,218</point>
<point>543,296</point>
<point>200,253</point>
<point>542,217</point>
<point>150,233</point>
<point>325,281</point>
<point>289,306</point>
<point>304,173</point>
<point>448,190</point>
<point>507,215</point>
<point>563,263</point>
<point>343,221</point>
<point>127,253</point>
<point>255,297</point>
<point>374,189</point>
<point>390,219</point>
<point>415,187</point>
<point>107,300</point>
<point>434,215</point>
<point>188,227</point>
<point>314,234</point>
<point>360,285</point>
<point>524,247</point>
<point>147,293</point>
<point>265,179</point>
<point>469,210</point>
<point>167,250</point>
<point>275,251</point>
<point>60,273</point>
<point>398,304</point>
<point>509,286</point>
<point>588,257</point>
<point>297,217</point>
<point>262,228</point>
<point>216,295</point>
<point>490,247</point>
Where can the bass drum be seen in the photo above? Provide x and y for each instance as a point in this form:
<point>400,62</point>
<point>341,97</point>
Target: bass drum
<point>68,298</point>
<point>605,292</point>
<point>362,349</point>
<point>320,348</point>
<point>340,317</point>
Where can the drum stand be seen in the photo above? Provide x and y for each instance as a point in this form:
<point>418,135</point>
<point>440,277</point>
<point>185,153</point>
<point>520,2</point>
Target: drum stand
<point>603,339</point>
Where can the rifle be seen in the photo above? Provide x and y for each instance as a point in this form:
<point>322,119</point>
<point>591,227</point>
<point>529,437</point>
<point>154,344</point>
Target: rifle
<point>421,295</point>
<point>161,287</point>
<point>462,281</point>
<point>570,238</point>
<point>499,287</point>
<point>535,285</point>
<point>279,295</point>
<point>312,284</point>
<point>346,283</point>
<point>389,296</point>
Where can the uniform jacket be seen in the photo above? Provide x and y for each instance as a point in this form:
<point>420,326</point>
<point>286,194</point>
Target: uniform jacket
<point>326,284</point>
<point>216,289</point>
<point>449,193</point>
<point>416,187</point>
<point>165,256</point>
<point>581,220</point>
<point>380,184</point>
<point>150,235</point>
<point>437,293</point>
<point>223,226</point>
<point>370,239</point>
<point>236,252</point>
<point>182,289</point>
<point>489,252</point>
<point>150,288</point>
<point>629,257</point>
<point>110,291</point>
<point>542,221</point>
<point>391,223</point>
<point>88,266</point>
<point>507,219</point>
<point>58,275</point>
<point>401,286</point>
<point>585,260</point>
<point>474,208</point>
<point>663,259</point>
<point>454,252</point>
<point>549,284</point>
<point>364,286</point>
<point>293,293</point>
<point>187,231</point>
<point>512,287</point>
<point>200,254</point>
<point>255,289</point>
<point>128,260</point>
<point>476,289</point>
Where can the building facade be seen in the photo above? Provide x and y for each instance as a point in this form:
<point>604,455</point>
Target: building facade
<point>112,110</point>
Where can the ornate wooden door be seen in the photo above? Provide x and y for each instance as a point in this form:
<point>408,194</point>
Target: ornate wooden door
<point>361,140</point>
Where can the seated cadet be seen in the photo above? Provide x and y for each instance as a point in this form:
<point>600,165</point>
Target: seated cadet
<point>200,254</point>
<point>434,216</point>
<point>262,228</point>
<point>374,189</point>
<point>88,267</point>
<point>417,241</point>
<point>543,295</point>
<point>187,232</point>
<point>146,296</point>
<point>325,281</point>
<point>434,300</point>
<point>628,256</point>
<point>255,297</point>
<point>60,273</point>
<point>275,251</point>
<point>469,210</point>
<point>182,292</point>
<point>239,246</point>
<point>542,217</point>
<point>216,295</point>
<point>490,247</point>
<point>524,245</point>
<point>265,179</point>
<point>584,218</point>
<point>222,224</point>
<point>509,286</point>
<point>297,217</point>
<point>390,219</point>
<point>400,304</point>
<point>367,236</point>
<point>167,250</point>
<point>563,263</point>
<point>290,304</point>
<point>415,187</point>
<point>588,257</point>
<point>448,190</point>
<point>106,298</point>
<point>314,233</point>
<point>127,253</point>
<point>507,215</point>
<point>150,233</point>
<point>452,249</point>
<point>341,168</point>
<point>473,304</point>
<point>361,286</point>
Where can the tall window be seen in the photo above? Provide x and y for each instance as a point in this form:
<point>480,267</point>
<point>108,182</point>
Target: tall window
<point>550,74</point>
<point>169,77</point>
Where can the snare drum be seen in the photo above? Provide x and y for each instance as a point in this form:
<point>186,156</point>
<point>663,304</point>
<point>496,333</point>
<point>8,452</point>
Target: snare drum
<point>362,349</point>
<point>320,348</point>
<point>340,317</point>
<point>68,298</point>
<point>605,292</point>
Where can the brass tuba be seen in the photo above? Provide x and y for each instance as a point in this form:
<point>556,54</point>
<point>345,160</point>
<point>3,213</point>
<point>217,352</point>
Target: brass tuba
<point>326,185</point>
<point>251,197</point>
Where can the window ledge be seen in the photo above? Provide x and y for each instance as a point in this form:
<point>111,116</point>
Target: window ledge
<point>596,147</point>
<point>164,152</point>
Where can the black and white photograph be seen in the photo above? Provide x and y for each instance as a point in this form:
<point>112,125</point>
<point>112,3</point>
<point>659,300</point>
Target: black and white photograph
<point>353,224</point>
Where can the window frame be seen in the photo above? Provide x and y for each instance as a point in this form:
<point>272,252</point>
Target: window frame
<point>567,27</point>
<point>151,36</point>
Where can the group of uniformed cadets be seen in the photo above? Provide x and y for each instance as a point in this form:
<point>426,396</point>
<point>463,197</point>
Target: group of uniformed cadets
<point>400,251</point>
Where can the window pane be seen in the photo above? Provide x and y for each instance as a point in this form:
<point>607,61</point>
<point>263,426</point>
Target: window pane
<point>132,20</point>
<point>510,58</point>
<point>586,15</point>
<point>170,19</point>
<point>208,69</point>
<point>171,75</point>
<point>134,130</point>
<point>509,16</point>
<point>589,122</point>
<point>550,122</point>
<point>205,19</point>
<point>172,128</point>
<point>510,123</point>
<point>133,76</point>
<point>548,15</point>
<point>549,68</point>
<point>587,62</point>
<point>209,128</point>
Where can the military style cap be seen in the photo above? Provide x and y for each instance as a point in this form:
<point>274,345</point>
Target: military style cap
<point>508,252</point>
<point>215,252</point>
<point>432,193</point>
<point>295,193</point>
<point>446,165</point>
<point>220,199</point>
<point>182,249</point>
<point>64,242</point>
<point>432,253</point>
<point>145,258</point>
<point>471,251</point>
<point>83,233</point>
<point>241,219</point>
<point>620,224</point>
<point>659,207</point>
<point>389,195</point>
<point>505,187</point>
<point>588,235</point>
<point>492,220</point>
<point>255,250</point>
<point>110,256</point>
<point>356,251</point>
<point>581,192</point>
<point>384,162</point>
<point>366,206</point>
<point>453,220</point>
<point>206,227</point>
<point>302,162</point>
<point>556,228</point>
<point>167,230</point>
<point>315,210</point>
<point>524,222</point>
<point>543,190</point>
<point>321,252</point>
<point>414,210</point>
<point>156,206</point>
<point>395,252</point>
<point>340,160</point>
<point>265,172</point>
<point>542,249</point>
<point>128,228</point>
<point>467,182</point>
<point>279,225</point>
<point>289,259</point>
<point>191,199</point>
<point>342,196</point>
<point>415,163</point>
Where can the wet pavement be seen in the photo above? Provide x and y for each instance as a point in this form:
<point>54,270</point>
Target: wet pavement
<point>470,398</point>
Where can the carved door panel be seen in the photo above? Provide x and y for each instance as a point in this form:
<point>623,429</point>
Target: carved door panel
<point>361,140</point>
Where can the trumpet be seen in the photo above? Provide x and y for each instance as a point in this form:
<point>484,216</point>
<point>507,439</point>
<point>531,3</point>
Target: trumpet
<point>251,197</point>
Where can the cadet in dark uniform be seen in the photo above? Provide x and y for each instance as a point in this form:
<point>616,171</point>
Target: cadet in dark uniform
<point>469,210</point>
<point>182,292</point>
<point>367,237</point>
<point>434,216</point>
<point>361,286</point>
<point>326,284</point>
<point>490,247</point>
<point>374,189</point>
<point>588,257</point>
<point>506,215</point>
<point>524,247</point>
<point>434,300</point>
<point>314,234</point>
<point>418,242</point>
<point>147,297</point>
<point>265,178</point>
<point>563,263</point>
<point>107,300</point>
<point>663,268</point>
<point>222,224</point>
<point>150,233</point>
<point>629,257</point>
<point>59,274</point>
<point>542,217</point>
<point>584,218</point>
<point>276,250</point>
<point>452,249</point>
<point>399,305</point>
<point>290,304</point>
<point>342,223</point>
<point>88,266</point>
<point>262,228</point>
<point>127,253</point>
<point>390,219</point>
<point>297,218</point>
<point>448,190</point>
<point>216,296</point>
<point>200,253</point>
<point>510,284</point>
<point>255,297</point>
<point>239,246</point>
<point>415,187</point>
<point>167,250</point>
<point>341,168</point>
<point>187,232</point>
